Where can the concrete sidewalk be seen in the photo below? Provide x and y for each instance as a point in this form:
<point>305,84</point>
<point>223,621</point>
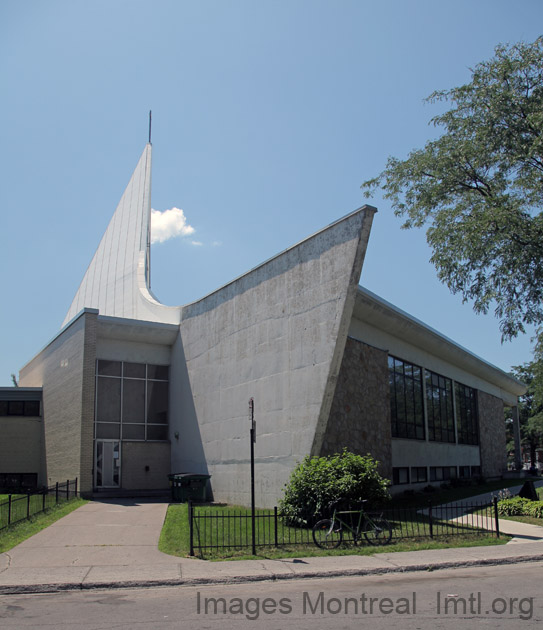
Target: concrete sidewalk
<point>113,544</point>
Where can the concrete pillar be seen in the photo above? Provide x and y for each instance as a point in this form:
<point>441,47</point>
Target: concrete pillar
<point>516,437</point>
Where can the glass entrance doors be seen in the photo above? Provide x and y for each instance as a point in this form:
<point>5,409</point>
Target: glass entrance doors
<point>107,465</point>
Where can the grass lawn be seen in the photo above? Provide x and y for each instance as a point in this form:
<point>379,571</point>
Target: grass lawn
<point>174,539</point>
<point>15,534</point>
<point>5,497</point>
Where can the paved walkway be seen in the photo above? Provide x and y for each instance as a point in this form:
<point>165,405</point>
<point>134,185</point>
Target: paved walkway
<point>113,544</point>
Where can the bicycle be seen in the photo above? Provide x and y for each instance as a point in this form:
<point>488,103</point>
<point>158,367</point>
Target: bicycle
<point>328,533</point>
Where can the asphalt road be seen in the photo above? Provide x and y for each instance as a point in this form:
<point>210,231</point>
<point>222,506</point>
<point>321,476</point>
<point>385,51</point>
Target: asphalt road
<point>508,597</point>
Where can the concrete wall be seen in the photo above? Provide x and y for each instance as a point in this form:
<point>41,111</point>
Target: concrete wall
<point>492,435</point>
<point>22,446</point>
<point>276,334</point>
<point>360,415</point>
<point>65,369</point>
<point>136,457</point>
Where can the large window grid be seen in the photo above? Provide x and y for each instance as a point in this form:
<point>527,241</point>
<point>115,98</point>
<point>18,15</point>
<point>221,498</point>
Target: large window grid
<point>439,404</point>
<point>406,400</point>
<point>131,401</point>
<point>466,414</point>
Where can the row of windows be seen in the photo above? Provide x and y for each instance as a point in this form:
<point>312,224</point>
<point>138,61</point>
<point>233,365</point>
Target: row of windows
<point>19,407</point>
<point>131,401</point>
<point>407,406</point>
<point>419,474</point>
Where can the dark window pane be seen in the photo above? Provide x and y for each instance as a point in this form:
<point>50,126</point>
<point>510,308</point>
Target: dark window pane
<point>157,402</point>
<point>109,368</point>
<point>3,407</point>
<point>133,432</point>
<point>107,431</point>
<point>157,432</point>
<point>108,400</point>
<point>16,408</point>
<point>32,408</point>
<point>134,370</point>
<point>133,401</point>
<point>160,372</point>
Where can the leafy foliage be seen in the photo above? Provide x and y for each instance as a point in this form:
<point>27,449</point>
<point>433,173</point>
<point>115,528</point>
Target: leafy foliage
<point>520,507</point>
<point>316,481</point>
<point>479,187</point>
<point>530,406</point>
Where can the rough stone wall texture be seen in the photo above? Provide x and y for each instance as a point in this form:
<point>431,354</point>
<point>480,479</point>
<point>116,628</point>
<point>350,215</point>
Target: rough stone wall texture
<point>276,334</point>
<point>136,456</point>
<point>60,369</point>
<point>491,435</point>
<point>21,445</point>
<point>360,415</point>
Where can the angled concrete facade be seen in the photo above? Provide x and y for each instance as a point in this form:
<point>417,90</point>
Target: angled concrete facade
<point>276,335</point>
<point>134,390</point>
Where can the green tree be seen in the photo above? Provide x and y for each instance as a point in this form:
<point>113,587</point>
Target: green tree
<point>479,187</point>
<point>530,407</point>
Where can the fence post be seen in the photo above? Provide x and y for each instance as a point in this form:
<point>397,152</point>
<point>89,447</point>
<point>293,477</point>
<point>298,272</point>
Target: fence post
<point>430,518</point>
<point>43,500</point>
<point>76,487</point>
<point>191,529</point>
<point>496,517</point>
<point>28,505</point>
<point>56,492</point>
<point>67,489</point>
<point>9,509</point>
<point>275,522</point>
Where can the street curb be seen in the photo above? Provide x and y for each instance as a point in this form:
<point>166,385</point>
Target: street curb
<point>272,577</point>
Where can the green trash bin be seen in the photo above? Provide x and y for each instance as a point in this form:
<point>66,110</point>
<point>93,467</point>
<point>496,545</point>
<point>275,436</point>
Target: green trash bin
<point>188,487</point>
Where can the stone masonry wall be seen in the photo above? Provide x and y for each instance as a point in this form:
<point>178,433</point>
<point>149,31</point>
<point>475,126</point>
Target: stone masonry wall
<point>360,414</point>
<point>492,435</point>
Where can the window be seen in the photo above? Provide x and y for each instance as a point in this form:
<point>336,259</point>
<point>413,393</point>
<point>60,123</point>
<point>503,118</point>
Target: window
<point>419,474</point>
<point>131,401</point>
<point>406,407</point>
<point>464,472</point>
<point>440,408</point>
<point>442,473</point>
<point>466,414</point>
<point>400,476</point>
<point>19,408</point>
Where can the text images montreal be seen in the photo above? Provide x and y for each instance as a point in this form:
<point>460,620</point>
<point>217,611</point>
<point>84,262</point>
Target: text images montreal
<point>319,604</point>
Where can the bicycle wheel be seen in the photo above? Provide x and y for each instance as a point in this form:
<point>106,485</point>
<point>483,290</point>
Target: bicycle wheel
<point>377,531</point>
<point>325,536</point>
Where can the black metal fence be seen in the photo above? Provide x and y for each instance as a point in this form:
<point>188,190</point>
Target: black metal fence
<point>17,508</point>
<point>224,528</point>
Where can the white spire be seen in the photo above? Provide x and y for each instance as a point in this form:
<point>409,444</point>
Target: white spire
<point>117,279</point>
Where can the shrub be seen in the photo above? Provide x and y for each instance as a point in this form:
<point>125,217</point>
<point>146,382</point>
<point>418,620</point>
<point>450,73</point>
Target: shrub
<point>513,507</point>
<point>535,509</point>
<point>316,481</point>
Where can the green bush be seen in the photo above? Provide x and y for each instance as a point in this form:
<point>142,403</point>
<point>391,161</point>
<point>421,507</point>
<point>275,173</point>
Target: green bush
<point>316,481</point>
<point>513,507</point>
<point>518,506</point>
<point>535,509</point>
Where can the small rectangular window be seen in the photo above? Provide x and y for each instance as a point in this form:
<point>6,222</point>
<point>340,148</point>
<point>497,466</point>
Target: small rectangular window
<point>419,474</point>
<point>400,476</point>
<point>109,368</point>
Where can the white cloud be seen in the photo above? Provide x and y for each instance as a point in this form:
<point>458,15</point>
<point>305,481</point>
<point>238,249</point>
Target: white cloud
<point>169,224</point>
<point>197,243</point>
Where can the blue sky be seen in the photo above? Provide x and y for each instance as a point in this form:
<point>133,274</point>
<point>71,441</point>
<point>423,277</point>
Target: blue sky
<point>267,117</point>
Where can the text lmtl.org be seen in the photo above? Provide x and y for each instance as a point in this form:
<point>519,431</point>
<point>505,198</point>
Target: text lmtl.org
<point>319,604</point>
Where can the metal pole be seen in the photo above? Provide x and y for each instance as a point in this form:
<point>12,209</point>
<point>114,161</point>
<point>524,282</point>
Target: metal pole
<point>191,528</point>
<point>496,517</point>
<point>253,439</point>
